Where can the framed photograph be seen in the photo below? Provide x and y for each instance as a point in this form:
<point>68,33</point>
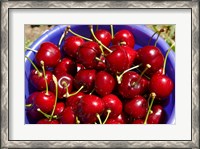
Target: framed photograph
<point>172,27</point>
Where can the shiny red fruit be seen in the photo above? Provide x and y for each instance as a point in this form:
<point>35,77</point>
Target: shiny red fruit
<point>104,36</point>
<point>157,115</point>
<point>68,116</point>
<point>47,121</point>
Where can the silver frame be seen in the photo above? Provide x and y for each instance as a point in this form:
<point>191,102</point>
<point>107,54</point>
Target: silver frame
<point>6,143</point>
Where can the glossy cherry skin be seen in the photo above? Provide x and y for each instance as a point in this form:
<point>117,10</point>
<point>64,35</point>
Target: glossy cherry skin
<point>157,115</point>
<point>124,36</point>
<point>113,103</point>
<point>112,121</point>
<point>46,121</point>
<point>151,55</point>
<point>137,107</point>
<point>38,81</point>
<point>45,102</point>
<point>138,121</point>
<point>127,89</point>
<point>85,78</point>
<point>49,54</point>
<point>101,64</point>
<point>161,85</point>
<point>104,36</point>
<point>31,100</point>
<point>60,106</point>
<point>89,106</point>
<point>117,61</point>
<point>92,45</point>
<point>62,78</point>
<point>74,100</point>
<point>66,65</point>
<point>104,83</point>
<point>87,57</point>
<point>33,115</point>
<point>71,45</point>
<point>68,116</point>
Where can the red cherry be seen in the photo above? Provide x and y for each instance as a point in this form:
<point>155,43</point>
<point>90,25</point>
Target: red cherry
<point>68,116</point>
<point>49,54</point>
<point>137,107</point>
<point>38,81</point>
<point>60,106</point>
<point>30,101</point>
<point>104,36</point>
<point>125,37</point>
<point>114,104</point>
<point>138,121</point>
<point>47,121</point>
<point>85,78</point>
<point>66,65</point>
<point>33,115</point>
<point>161,85</point>
<point>112,121</point>
<point>89,107</point>
<point>71,45</point>
<point>151,55</point>
<point>45,101</point>
<point>104,83</point>
<point>92,45</point>
<point>157,115</point>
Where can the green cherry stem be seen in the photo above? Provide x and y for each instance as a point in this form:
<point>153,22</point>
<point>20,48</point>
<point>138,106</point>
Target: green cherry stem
<point>153,95</point>
<point>46,115</point>
<point>162,30</point>
<point>165,60</point>
<point>62,37</point>
<point>56,98</point>
<point>119,77</point>
<point>68,28</point>
<point>112,32</point>
<point>101,48</point>
<point>28,105</point>
<point>98,41</point>
<point>45,78</point>
<point>107,116</point>
<point>77,120</point>
<point>39,73</point>
<point>99,118</point>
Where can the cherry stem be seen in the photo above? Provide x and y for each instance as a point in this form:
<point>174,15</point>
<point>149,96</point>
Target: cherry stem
<point>68,28</point>
<point>162,30</point>
<point>153,95</point>
<point>144,74</point>
<point>112,32</point>
<point>56,98</point>
<point>45,78</point>
<point>67,91</point>
<point>46,115</point>
<point>28,105</point>
<point>165,60</point>
<point>108,114</point>
<point>77,120</point>
<point>62,37</point>
<point>122,43</point>
<point>101,48</point>
<point>119,78</point>
<point>98,41</point>
<point>98,59</point>
<point>92,91</point>
<point>99,118</point>
<point>39,73</point>
<point>147,67</point>
<point>27,48</point>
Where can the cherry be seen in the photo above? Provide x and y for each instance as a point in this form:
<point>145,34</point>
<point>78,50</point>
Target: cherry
<point>30,101</point>
<point>93,45</point>
<point>138,121</point>
<point>33,115</point>
<point>104,36</point>
<point>68,116</point>
<point>124,37</point>
<point>90,109</point>
<point>49,54</point>
<point>156,116</point>
<point>85,78</point>
<point>60,106</point>
<point>137,107</point>
<point>129,88</point>
<point>71,45</point>
<point>47,121</point>
<point>112,121</point>
<point>161,85</point>
<point>66,65</point>
<point>104,83</point>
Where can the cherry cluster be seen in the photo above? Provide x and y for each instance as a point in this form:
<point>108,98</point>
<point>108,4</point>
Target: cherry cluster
<point>98,80</point>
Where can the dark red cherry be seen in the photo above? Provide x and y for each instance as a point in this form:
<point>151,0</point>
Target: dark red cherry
<point>66,65</point>
<point>89,107</point>
<point>124,37</point>
<point>60,106</point>
<point>128,89</point>
<point>138,121</point>
<point>92,45</point>
<point>71,45</point>
<point>112,121</point>
<point>137,107</point>
<point>45,101</point>
<point>64,81</point>
<point>38,81</point>
<point>104,36</point>
<point>68,116</point>
<point>113,103</point>
<point>30,101</point>
<point>47,121</point>
<point>85,78</point>
<point>156,116</point>
<point>153,56</point>
<point>161,85</point>
<point>104,83</point>
<point>49,54</point>
<point>101,64</point>
<point>33,115</point>
<point>117,61</point>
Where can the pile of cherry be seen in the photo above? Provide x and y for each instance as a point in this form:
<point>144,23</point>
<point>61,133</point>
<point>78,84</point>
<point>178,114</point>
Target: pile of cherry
<point>98,80</point>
